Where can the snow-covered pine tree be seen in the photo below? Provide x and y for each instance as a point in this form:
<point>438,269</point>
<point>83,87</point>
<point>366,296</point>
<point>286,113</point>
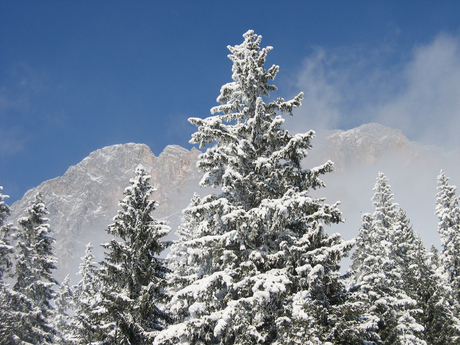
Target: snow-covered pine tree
<point>423,283</point>
<point>6,251</point>
<point>440,311</point>
<point>264,270</point>
<point>33,289</point>
<point>357,326</point>
<point>448,212</point>
<point>132,277</point>
<point>386,312</point>
<point>87,297</point>
<point>411,255</point>
<point>64,302</point>
<point>447,306</point>
<point>433,257</point>
<point>180,261</point>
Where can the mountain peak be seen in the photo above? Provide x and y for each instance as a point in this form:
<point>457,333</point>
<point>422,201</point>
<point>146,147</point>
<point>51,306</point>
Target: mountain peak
<point>363,145</point>
<point>83,202</point>
<point>373,131</point>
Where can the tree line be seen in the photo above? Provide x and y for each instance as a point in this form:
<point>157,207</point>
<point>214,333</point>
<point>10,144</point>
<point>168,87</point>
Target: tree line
<point>253,263</point>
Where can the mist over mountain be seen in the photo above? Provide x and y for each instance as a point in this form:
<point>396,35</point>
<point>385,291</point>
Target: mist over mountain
<point>361,146</point>
<point>412,168</point>
<point>83,202</point>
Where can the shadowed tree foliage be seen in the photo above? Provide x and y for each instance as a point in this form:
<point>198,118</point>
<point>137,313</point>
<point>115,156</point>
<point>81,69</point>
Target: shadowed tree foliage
<point>132,276</point>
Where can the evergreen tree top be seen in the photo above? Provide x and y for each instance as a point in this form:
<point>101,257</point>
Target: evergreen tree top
<point>250,78</point>
<point>36,218</point>
<point>35,263</point>
<point>446,196</point>
<point>385,209</point>
<point>87,268</point>
<point>4,208</point>
<point>5,232</point>
<point>240,98</point>
<point>35,243</point>
<point>253,157</point>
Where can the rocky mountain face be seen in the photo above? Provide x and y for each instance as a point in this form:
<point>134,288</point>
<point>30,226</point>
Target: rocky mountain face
<point>83,202</point>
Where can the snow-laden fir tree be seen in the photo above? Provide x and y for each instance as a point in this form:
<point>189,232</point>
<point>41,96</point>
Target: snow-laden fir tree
<point>423,284</point>
<point>183,271</point>
<point>64,303</point>
<point>87,297</point>
<point>385,252</point>
<point>262,269</point>
<point>6,251</point>
<point>448,212</point>
<point>33,291</point>
<point>132,277</point>
<point>411,256</point>
<point>354,325</point>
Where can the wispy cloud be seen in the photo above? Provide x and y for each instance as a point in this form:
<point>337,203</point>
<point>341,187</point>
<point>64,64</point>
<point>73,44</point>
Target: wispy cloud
<point>428,108</point>
<point>416,91</point>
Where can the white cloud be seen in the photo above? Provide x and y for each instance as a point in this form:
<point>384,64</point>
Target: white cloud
<point>343,87</point>
<point>416,91</point>
<point>322,92</point>
<point>428,109</point>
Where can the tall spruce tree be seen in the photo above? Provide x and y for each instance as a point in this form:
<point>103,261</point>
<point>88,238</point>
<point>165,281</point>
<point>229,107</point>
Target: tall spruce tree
<point>6,251</point>
<point>87,298</point>
<point>447,307</point>
<point>180,259</point>
<point>386,251</point>
<point>448,212</point>
<point>264,270</point>
<point>423,284</point>
<point>64,303</point>
<point>33,290</point>
<point>132,277</point>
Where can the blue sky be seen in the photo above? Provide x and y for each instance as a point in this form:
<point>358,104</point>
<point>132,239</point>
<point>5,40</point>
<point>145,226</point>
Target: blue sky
<point>76,76</point>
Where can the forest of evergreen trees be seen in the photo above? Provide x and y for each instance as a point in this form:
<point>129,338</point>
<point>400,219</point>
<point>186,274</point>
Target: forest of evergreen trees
<point>253,263</point>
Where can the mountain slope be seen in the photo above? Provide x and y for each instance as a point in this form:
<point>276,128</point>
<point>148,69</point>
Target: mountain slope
<point>84,200</point>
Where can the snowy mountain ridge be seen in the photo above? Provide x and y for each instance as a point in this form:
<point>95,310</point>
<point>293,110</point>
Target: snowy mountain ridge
<point>362,145</point>
<point>83,202</point>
